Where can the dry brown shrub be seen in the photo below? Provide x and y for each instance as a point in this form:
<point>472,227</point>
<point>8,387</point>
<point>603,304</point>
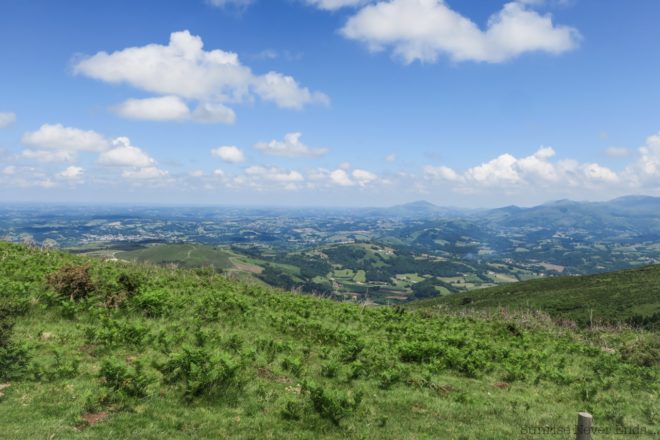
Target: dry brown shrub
<point>74,282</point>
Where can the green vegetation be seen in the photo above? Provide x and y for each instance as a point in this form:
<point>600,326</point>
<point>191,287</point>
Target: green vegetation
<point>150,352</point>
<point>181,255</point>
<point>632,296</point>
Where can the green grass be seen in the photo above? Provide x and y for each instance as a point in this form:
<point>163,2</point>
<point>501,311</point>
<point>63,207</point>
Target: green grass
<point>612,297</point>
<point>191,354</point>
<point>183,255</point>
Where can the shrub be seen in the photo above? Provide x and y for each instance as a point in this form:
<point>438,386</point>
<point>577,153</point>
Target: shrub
<point>293,364</point>
<point>73,282</point>
<point>333,405</point>
<point>293,410</point>
<point>153,303</point>
<point>130,282</point>
<point>13,358</point>
<point>201,372</point>
<point>124,380</point>
<point>61,367</point>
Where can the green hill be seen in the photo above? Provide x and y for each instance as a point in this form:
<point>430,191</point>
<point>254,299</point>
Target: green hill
<point>630,295</point>
<point>92,349</point>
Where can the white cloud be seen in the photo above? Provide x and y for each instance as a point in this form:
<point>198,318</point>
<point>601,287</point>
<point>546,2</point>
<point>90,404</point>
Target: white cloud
<point>332,5</point>
<point>147,173</point>
<point>123,154</point>
<point>197,173</point>
<point>173,108</point>
<point>645,171</point>
<point>285,91</point>
<point>291,147</point>
<point>9,170</point>
<point>6,119</point>
<point>442,172</point>
<point>49,155</point>
<point>164,108</point>
<point>507,171</point>
<point>363,177</point>
<point>501,170</point>
<point>71,173</point>
<point>213,113</point>
<point>274,174</point>
<point>185,70</point>
<point>390,157</point>
<point>59,137</point>
<point>595,172</point>
<point>229,153</point>
<point>425,29</point>
<point>340,177</point>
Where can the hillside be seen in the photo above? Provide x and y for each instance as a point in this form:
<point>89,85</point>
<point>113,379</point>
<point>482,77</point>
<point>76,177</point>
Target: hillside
<point>92,349</point>
<point>630,295</point>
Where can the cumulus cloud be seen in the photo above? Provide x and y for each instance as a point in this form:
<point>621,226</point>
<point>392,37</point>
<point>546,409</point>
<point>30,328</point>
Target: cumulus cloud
<point>645,170</point>
<point>229,153</point>
<point>59,137</point>
<point>123,154</point>
<point>6,119</point>
<point>363,177</point>
<point>173,108</point>
<point>442,172</point>
<point>163,108</point>
<point>423,30</point>
<point>71,173</point>
<point>507,171</point>
<point>291,146</point>
<point>183,69</point>
<point>340,177</point>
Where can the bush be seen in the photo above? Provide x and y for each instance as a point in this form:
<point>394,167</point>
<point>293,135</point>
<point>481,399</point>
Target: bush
<point>130,381</point>
<point>130,282</point>
<point>153,303</point>
<point>73,282</point>
<point>202,373</point>
<point>333,405</point>
<point>13,358</point>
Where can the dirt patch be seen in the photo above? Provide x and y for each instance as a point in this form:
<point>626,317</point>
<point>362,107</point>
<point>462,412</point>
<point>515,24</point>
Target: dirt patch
<point>267,374</point>
<point>502,385</point>
<point>245,267</point>
<point>94,418</point>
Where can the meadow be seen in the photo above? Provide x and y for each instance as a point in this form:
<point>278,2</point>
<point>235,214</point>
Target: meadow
<point>108,349</point>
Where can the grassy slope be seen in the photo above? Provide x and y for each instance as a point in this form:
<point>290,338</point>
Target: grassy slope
<point>280,365</point>
<point>613,296</point>
<point>184,255</point>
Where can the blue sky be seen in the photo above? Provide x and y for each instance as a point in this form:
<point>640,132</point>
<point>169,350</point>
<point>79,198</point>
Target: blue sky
<point>329,102</point>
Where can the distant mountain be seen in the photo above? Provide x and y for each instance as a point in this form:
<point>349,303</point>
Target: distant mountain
<point>638,215</point>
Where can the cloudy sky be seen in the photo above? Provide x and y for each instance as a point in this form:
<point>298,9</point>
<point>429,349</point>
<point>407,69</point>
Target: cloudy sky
<point>328,102</point>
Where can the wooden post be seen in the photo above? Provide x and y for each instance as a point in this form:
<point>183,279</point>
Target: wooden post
<point>583,431</point>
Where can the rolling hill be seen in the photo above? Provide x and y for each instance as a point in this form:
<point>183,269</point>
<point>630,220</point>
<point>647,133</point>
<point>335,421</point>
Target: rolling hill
<point>105,349</point>
<point>630,295</point>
